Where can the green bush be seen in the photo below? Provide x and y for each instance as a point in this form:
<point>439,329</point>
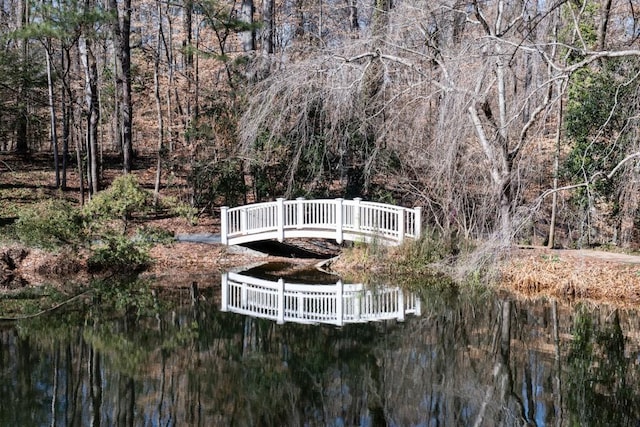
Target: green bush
<point>56,223</point>
<point>126,296</point>
<point>175,207</point>
<point>50,224</point>
<point>121,201</point>
<point>154,235</point>
<point>119,254</point>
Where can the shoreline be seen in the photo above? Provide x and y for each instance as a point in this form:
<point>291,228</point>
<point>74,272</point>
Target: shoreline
<point>528,272</point>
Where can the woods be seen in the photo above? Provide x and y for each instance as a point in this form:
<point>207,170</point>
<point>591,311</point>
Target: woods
<point>505,120</point>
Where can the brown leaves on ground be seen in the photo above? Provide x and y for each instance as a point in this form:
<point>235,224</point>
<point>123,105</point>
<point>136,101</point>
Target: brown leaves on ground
<point>572,275</point>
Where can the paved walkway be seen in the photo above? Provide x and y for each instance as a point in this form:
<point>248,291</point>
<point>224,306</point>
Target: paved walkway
<point>199,238</point>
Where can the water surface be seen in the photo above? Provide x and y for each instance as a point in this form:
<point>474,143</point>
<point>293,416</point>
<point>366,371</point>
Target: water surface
<point>469,358</point>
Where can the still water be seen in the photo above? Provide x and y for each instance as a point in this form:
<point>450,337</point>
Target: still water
<point>464,358</point>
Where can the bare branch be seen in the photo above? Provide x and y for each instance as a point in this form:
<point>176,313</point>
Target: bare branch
<point>622,162</point>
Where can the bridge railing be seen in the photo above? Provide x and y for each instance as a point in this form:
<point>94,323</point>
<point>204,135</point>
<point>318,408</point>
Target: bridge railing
<point>327,218</point>
<point>332,304</point>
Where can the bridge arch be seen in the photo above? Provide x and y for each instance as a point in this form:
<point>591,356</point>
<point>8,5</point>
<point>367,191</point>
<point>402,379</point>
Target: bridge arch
<point>339,219</point>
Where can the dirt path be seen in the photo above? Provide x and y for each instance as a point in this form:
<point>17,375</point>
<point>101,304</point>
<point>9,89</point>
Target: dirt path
<point>586,254</point>
<point>601,255</point>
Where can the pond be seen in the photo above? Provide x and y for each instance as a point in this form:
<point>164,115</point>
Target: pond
<point>453,358</point>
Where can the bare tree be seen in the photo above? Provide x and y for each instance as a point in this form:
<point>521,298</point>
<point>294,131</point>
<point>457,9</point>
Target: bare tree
<point>248,35</point>
<point>268,26</point>
<point>91,111</point>
<point>122,31</point>
<point>156,91</point>
<point>21,129</point>
<point>52,112</point>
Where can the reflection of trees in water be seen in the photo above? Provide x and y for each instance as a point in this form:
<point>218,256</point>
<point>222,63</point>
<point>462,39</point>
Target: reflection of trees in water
<point>505,368</point>
<point>601,383</point>
<point>466,361</point>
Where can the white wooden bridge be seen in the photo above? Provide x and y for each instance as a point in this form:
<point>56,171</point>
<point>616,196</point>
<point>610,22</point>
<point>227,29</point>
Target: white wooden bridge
<point>337,304</point>
<point>339,219</point>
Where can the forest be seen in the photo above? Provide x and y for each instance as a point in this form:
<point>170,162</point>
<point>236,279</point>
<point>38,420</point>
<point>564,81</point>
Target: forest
<point>504,119</point>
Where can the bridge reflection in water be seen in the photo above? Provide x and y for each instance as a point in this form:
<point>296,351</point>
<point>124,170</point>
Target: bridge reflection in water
<point>335,304</point>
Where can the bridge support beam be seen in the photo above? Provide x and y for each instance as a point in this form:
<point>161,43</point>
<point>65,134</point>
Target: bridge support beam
<point>356,214</point>
<point>280,218</point>
<point>401,215</point>
<point>418,222</point>
<point>224,225</point>
<point>224,304</point>
<point>300,213</point>
<point>339,221</point>
<point>280,301</point>
<point>339,303</point>
<point>401,305</point>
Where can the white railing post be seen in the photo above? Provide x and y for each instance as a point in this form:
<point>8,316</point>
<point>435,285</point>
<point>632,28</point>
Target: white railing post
<point>280,301</point>
<point>356,213</point>
<point>418,306</point>
<point>301,312</point>
<point>357,308</point>
<point>417,222</point>
<point>400,224</point>
<point>280,218</point>
<point>299,212</point>
<point>340,303</point>
<point>224,306</point>
<point>243,221</point>
<point>244,295</point>
<point>400,305</point>
<point>224,225</point>
<point>339,221</point>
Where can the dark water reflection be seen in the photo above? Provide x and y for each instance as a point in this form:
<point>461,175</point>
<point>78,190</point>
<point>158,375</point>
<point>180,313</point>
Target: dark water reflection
<point>471,358</point>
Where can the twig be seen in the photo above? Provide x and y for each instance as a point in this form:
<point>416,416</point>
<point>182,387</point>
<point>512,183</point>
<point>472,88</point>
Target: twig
<point>7,165</point>
<point>55,307</point>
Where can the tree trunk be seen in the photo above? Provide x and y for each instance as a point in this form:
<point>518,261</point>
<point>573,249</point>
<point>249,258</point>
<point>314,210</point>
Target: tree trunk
<point>52,113</point>
<point>187,45</point>
<point>122,32</point>
<point>556,172</point>
<point>354,24</point>
<point>361,155</point>
<point>247,37</point>
<point>605,13</point>
<point>168,48</point>
<point>22,128</point>
<point>67,113</point>
<point>80,170</point>
<point>127,106</point>
<point>92,112</point>
<point>268,26</point>
<point>156,84</point>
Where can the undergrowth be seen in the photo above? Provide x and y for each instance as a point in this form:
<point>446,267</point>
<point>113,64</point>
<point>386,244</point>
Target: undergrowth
<point>104,227</point>
<point>432,261</point>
